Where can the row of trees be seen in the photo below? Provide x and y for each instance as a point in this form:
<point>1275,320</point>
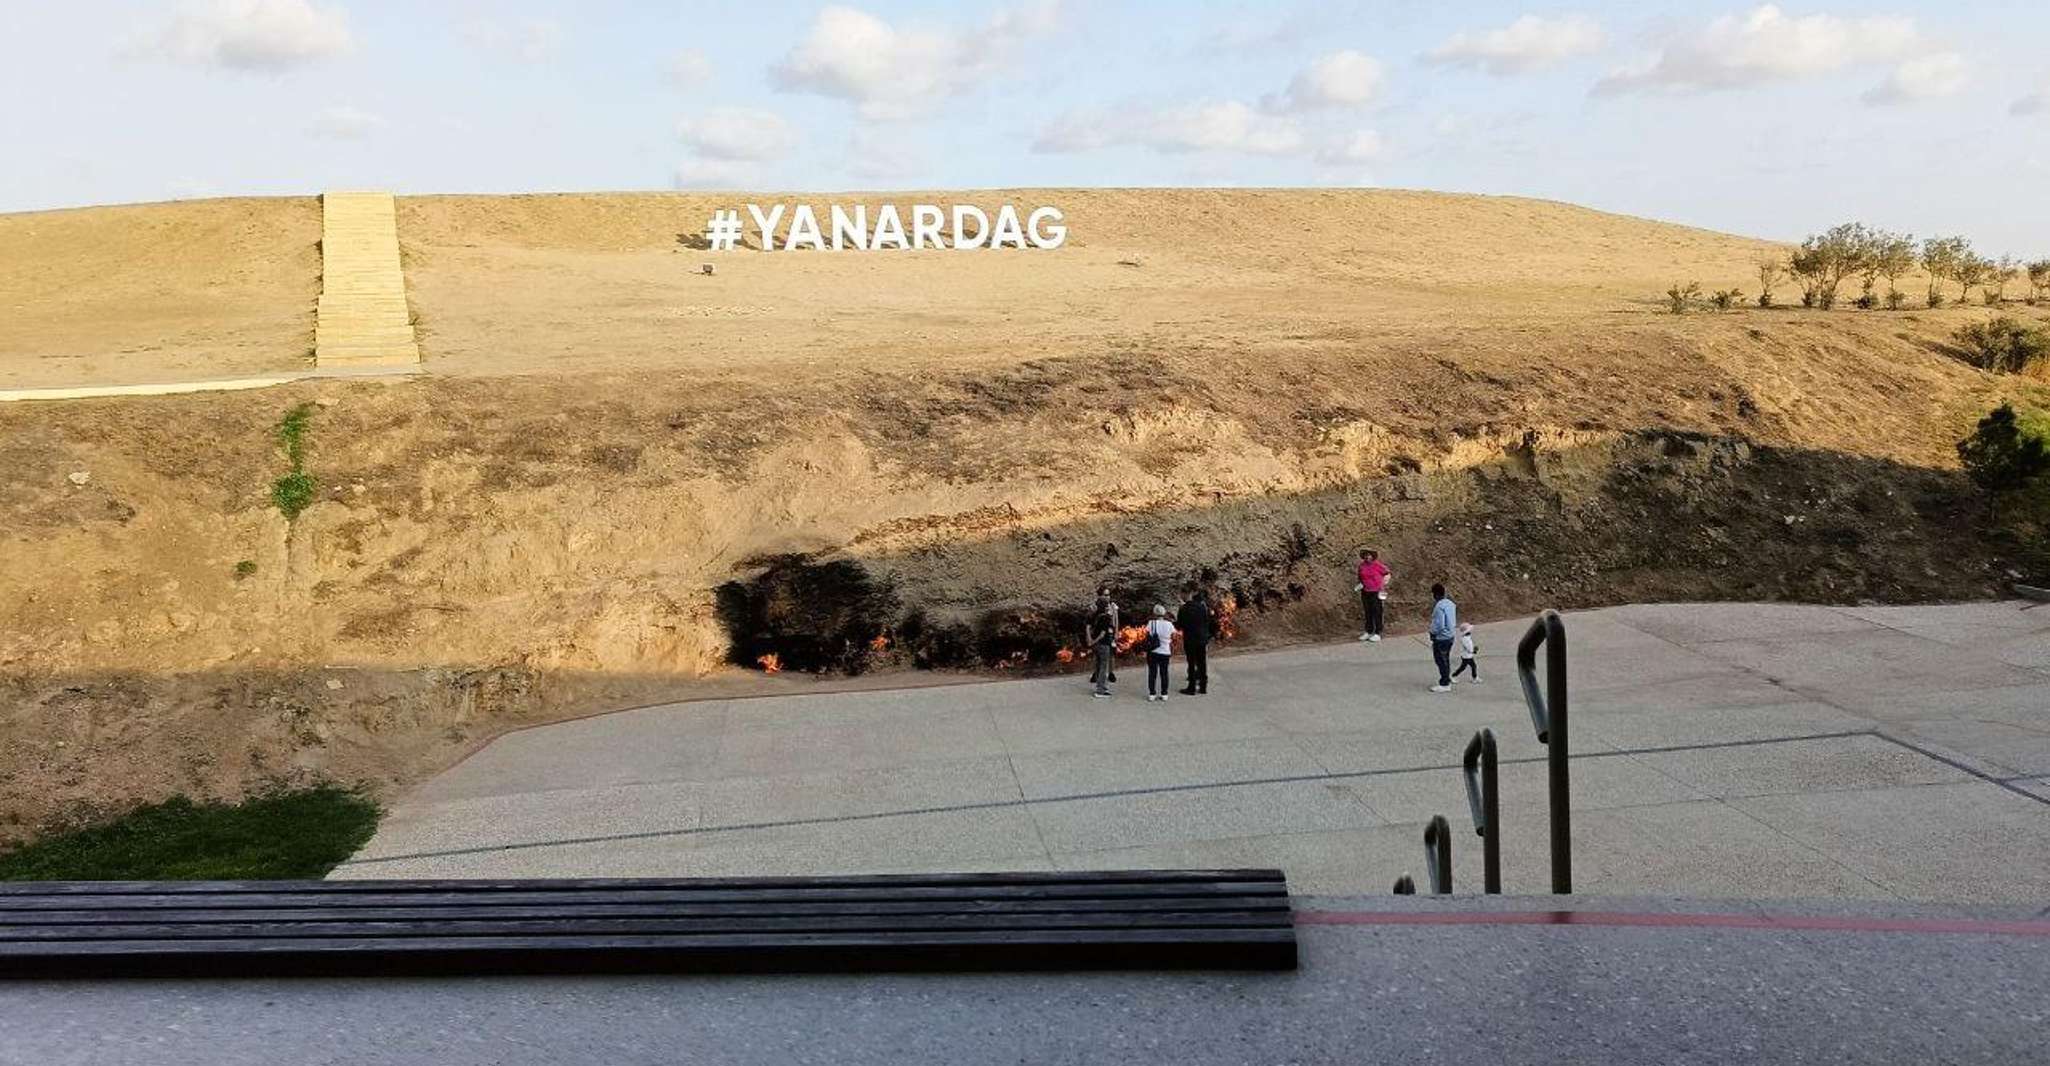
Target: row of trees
<point>1824,262</point>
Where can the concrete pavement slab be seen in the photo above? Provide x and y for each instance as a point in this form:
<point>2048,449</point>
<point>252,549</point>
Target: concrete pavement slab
<point>1067,773</point>
<point>1858,762</point>
<point>1969,843</point>
<point>1202,814</point>
<point>1702,623</point>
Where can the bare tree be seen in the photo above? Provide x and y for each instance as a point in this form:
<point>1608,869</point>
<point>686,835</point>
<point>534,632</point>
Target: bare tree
<point>2039,279</point>
<point>1942,257</point>
<point>1973,270</point>
<point>1823,262</point>
<point>1998,274</point>
<point>1893,255</point>
<point>1771,269</point>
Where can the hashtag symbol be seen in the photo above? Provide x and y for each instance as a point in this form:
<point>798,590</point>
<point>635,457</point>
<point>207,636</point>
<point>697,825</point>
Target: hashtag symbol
<point>723,232</point>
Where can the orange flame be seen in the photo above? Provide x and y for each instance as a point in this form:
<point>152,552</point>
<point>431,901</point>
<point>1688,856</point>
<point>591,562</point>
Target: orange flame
<point>880,644</point>
<point>770,663</point>
<point>1066,655</point>
<point>1227,617</point>
<point>1129,638</point>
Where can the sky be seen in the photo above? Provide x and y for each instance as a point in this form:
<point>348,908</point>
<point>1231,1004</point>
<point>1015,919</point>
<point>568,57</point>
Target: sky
<point>1762,119</point>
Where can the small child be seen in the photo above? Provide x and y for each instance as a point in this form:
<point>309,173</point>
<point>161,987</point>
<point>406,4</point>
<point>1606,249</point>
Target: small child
<point>1467,663</point>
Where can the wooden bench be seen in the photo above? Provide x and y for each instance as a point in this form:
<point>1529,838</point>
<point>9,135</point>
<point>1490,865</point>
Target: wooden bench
<point>1165,919</point>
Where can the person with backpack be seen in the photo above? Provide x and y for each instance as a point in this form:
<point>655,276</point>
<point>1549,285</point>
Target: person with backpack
<point>1159,654</point>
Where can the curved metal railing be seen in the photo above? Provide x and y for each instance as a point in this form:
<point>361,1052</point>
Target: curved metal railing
<point>1484,799</point>
<point>1547,703</point>
<point>1548,715</point>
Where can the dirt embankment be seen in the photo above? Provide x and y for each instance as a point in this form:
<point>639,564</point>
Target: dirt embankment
<point>537,530</point>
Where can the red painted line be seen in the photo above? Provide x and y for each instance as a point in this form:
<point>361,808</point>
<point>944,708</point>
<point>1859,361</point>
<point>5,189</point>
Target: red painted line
<point>1782,922</point>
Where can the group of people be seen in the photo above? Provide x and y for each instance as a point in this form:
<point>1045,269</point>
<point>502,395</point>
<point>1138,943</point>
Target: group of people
<point>1195,621</point>
<point>1446,631</point>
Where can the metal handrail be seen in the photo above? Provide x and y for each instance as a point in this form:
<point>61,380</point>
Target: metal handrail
<point>1484,799</point>
<point>1438,854</point>
<point>1548,715</point>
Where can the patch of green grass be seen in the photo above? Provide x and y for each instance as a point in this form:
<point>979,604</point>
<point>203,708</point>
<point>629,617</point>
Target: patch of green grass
<point>280,835</point>
<point>245,568</point>
<point>293,492</point>
<point>292,432</point>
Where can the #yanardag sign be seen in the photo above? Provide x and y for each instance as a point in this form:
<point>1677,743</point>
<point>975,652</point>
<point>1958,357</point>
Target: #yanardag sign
<point>788,227</point>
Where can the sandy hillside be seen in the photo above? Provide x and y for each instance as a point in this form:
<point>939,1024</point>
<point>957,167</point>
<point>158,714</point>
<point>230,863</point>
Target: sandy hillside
<point>158,292</point>
<point>520,284</point>
<point>1483,387</point>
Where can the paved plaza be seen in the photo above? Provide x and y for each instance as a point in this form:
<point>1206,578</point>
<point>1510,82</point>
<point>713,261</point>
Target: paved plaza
<point>1720,751</point>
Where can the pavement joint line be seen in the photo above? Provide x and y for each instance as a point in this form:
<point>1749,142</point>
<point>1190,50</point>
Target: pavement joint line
<point>1653,920</point>
<point>1956,765</point>
<point>1028,803</point>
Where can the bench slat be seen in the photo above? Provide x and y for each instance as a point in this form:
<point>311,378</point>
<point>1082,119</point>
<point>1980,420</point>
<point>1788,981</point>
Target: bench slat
<point>1237,919</point>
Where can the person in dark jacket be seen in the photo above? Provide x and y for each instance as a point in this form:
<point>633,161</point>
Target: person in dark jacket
<point>1198,622</point>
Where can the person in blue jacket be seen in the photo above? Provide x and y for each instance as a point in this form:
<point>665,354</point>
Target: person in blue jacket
<point>1444,627</point>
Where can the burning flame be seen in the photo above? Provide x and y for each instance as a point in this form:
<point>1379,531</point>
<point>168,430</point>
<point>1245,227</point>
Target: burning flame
<point>770,663</point>
<point>1227,617</point>
<point>1066,655</point>
<point>1129,638</point>
<point>880,644</point>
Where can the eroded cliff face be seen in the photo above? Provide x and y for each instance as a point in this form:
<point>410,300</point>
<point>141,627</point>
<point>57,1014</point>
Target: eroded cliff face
<point>486,553</point>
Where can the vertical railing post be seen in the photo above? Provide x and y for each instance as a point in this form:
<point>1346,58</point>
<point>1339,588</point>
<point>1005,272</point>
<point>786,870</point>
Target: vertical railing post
<point>1484,799</point>
<point>1438,854</point>
<point>1549,715</point>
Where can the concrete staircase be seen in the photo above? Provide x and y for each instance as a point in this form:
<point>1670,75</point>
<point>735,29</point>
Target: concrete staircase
<point>362,321</point>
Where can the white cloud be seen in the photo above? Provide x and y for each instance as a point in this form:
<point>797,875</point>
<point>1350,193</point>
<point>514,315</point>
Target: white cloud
<point>1362,146</point>
<point>344,123</point>
<point>261,35</point>
<point>1260,32</point>
<point>735,134</point>
<point>2035,102</point>
<point>1763,46</point>
<point>1921,78</point>
<point>715,174</point>
<point>1228,126</point>
<point>873,155</point>
<point>1341,79</point>
<point>890,72</point>
<point>689,69</point>
<point>1530,43</point>
<point>526,40</point>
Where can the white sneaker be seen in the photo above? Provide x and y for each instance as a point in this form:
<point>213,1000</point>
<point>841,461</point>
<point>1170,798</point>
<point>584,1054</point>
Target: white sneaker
<point>1366,636</point>
<point>1376,638</point>
<point>1476,680</point>
<point>1454,681</point>
<point>1441,688</point>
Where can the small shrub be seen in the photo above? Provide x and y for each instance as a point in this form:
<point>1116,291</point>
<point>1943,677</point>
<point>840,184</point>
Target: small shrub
<point>2007,450</point>
<point>1679,296</point>
<point>245,568</point>
<point>293,493</point>
<point>1865,301</point>
<point>2003,345</point>
<point>1724,299</point>
<point>1896,300</point>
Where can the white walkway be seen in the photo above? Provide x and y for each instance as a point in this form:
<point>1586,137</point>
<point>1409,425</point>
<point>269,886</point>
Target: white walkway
<point>1722,750</point>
